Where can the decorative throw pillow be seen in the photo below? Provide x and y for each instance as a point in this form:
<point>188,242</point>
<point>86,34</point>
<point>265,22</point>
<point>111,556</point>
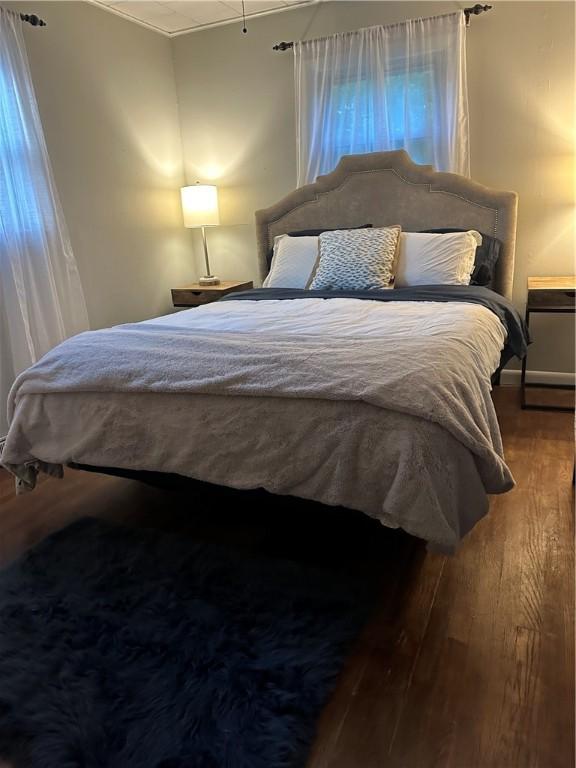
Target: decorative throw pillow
<point>486,258</point>
<point>293,262</point>
<point>311,233</point>
<point>359,259</point>
<point>434,259</point>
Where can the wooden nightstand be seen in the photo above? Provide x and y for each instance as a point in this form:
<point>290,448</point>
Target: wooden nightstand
<point>556,295</point>
<point>194,295</point>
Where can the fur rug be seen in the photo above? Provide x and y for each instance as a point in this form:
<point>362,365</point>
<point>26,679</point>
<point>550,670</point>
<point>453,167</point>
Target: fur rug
<point>137,648</point>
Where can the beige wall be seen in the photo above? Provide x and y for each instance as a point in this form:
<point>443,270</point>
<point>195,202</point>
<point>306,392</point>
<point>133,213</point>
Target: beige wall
<point>107,99</point>
<point>236,101</point>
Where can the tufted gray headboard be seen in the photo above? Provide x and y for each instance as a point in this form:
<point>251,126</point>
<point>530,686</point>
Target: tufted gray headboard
<point>384,188</point>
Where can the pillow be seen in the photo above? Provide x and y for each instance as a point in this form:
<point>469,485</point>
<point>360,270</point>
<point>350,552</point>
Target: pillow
<point>486,258</point>
<point>293,262</point>
<point>436,259</point>
<point>360,259</point>
<point>310,233</point>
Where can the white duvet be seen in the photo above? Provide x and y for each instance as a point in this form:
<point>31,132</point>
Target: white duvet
<point>348,318</point>
<point>382,407</point>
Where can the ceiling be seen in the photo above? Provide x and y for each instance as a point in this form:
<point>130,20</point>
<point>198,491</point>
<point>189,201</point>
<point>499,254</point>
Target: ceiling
<point>174,17</point>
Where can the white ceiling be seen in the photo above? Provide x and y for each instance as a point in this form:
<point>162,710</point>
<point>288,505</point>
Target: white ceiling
<point>173,17</point>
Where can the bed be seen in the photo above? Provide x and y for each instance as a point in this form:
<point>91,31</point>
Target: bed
<point>381,406</point>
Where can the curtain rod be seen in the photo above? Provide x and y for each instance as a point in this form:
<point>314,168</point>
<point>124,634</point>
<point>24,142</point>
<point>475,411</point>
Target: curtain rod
<point>32,19</point>
<point>475,9</point>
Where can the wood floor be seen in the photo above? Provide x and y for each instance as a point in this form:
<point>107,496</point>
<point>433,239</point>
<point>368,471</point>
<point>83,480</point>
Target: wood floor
<point>469,660</point>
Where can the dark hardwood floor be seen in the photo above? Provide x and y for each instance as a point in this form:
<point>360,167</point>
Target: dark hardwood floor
<point>469,660</point>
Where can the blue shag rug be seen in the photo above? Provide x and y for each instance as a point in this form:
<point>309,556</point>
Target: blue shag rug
<point>139,648</point>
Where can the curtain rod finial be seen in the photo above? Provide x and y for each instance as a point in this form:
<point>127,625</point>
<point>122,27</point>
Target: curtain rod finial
<point>476,10</point>
<point>33,20</point>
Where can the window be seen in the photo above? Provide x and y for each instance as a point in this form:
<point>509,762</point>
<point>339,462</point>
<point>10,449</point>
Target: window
<point>21,192</point>
<point>384,88</point>
<point>41,299</point>
<point>409,110</point>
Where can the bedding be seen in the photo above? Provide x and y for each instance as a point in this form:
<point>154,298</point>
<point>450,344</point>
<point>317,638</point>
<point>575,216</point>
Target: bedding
<point>356,259</point>
<point>293,262</point>
<point>517,336</point>
<point>485,260</point>
<point>359,392</point>
<point>436,259</point>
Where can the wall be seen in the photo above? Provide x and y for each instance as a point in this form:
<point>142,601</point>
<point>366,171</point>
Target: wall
<point>236,101</point>
<point>107,99</point>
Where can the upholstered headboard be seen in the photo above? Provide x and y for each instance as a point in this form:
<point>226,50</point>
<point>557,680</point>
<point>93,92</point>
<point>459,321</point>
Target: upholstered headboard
<point>384,188</point>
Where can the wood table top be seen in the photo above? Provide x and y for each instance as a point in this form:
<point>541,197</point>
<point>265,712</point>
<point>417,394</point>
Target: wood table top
<point>223,285</point>
<point>565,283</point>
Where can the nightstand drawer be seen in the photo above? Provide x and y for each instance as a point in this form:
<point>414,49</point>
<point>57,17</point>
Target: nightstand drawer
<point>552,299</point>
<point>182,297</point>
<point>196,295</point>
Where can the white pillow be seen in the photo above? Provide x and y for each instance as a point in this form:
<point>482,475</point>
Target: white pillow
<point>293,262</point>
<point>434,259</point>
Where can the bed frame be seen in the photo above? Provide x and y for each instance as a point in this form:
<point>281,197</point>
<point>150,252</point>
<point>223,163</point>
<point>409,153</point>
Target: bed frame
<point>383,188</point>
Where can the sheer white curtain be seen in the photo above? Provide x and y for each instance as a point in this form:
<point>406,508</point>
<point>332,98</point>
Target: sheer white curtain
<point>41,298</point>
<point>382,88</point>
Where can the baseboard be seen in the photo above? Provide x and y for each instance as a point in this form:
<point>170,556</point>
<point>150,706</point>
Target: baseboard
<point>511,378</point>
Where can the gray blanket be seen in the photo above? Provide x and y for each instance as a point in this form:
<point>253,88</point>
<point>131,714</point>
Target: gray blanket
<point>451,389</point>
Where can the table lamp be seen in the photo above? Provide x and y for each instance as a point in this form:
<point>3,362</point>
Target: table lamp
<point>200,209</point>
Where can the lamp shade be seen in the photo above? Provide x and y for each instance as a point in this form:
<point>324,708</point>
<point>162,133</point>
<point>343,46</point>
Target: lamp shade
<point>200,205</point>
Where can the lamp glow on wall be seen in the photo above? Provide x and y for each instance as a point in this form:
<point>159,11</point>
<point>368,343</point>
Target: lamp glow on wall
<point>200,209</point>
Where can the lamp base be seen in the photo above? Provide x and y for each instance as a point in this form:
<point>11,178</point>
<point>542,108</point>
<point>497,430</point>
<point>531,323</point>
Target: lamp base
<point>209,280</point>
